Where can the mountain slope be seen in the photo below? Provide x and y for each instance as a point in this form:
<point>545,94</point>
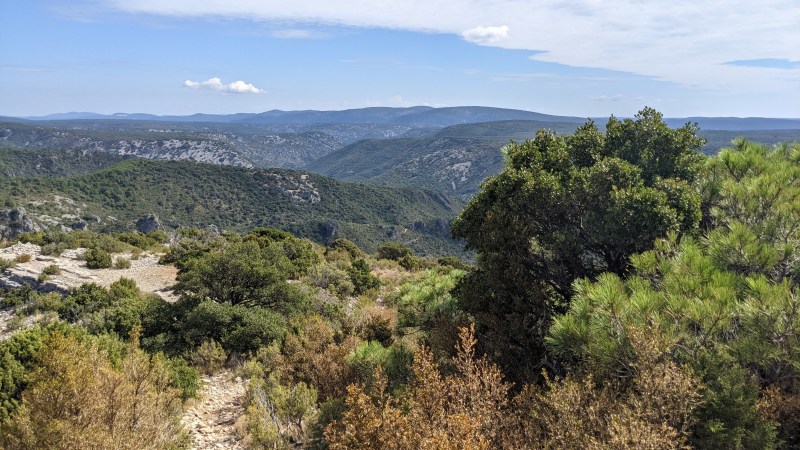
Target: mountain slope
<point>189,194</point>
<point>458,158</point>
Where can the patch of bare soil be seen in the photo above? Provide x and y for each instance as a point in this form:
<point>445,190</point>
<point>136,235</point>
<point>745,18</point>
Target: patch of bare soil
<point>145,271</point>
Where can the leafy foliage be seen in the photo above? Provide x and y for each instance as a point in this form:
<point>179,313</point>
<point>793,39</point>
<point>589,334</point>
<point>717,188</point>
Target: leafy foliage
<point>191,194</point>
<point>568,207</point>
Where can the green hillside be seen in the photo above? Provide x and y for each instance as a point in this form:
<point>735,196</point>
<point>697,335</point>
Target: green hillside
<point>17,162</point>
<point>189,194</point>
<point>458,158</point>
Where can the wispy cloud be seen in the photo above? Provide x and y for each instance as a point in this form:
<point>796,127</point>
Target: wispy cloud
<point>298,33</point>
<point>486,35</point>
<point>770,63</point>
<point>216,84</point>
<point>669,41</point>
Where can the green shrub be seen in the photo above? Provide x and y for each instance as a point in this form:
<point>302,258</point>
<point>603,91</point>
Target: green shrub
<point>52,269</point>
<point>122,263</point>
<point>6,264</point>
<point>453,262</point>
<point>23,258</point>
<point>362,278</point>
<point>138,240</point>
<point>184,377</point>
<point>237,328</point>
<point>31,237</point>
<point>209,357</point>
<point>97,259</point>
<point>158,236</point>
<point>394,251</point>
<point>345,246</point>
<point>366,358</point>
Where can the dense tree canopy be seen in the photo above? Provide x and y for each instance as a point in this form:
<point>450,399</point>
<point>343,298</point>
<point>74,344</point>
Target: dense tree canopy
<point>568,207</point>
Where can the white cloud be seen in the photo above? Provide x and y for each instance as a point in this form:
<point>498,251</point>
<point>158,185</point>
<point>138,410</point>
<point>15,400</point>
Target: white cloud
<point>682,41</point>
<point>298,33</point>
<point>216,84</point>
<point>486,35</point>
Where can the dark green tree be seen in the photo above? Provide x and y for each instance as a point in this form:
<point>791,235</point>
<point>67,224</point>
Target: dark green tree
<point>363,280</point>
<point>241,273</point>
<point>565,208</point>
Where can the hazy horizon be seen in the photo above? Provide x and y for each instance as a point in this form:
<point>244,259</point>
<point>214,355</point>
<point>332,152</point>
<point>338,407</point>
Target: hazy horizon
<point>585,59</point>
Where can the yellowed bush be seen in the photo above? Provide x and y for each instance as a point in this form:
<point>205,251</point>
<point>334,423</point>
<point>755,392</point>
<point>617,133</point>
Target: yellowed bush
<point>23,258</point>
<point>470,409</point>
<point>76,399</point>
<point>464,410</point>
<point>314,357</point>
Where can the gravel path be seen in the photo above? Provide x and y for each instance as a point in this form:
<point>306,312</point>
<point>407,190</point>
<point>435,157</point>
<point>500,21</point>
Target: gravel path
<point>211,422</point>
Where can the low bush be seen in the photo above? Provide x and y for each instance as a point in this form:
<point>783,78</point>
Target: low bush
<point>209,357</point>
<point>97,259</point>
<point>52,269</point>
<point>23,258</point>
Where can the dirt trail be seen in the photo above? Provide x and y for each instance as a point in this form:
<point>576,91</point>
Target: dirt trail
<point>211,421</point>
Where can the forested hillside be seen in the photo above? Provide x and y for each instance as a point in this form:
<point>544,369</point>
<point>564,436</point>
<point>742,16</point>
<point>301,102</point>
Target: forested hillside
<point>185,194</point>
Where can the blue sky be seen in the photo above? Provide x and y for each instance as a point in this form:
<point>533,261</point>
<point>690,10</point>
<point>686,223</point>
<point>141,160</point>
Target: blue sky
<point>582,58</point>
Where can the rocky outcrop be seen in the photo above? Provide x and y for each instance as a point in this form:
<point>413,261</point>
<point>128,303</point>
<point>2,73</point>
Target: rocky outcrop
<point>14,222</point>
<point>148,223</point>
<point>297,187</point>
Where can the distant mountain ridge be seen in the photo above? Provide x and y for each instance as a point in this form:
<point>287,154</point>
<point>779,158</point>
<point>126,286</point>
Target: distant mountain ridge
<point>419,116</point>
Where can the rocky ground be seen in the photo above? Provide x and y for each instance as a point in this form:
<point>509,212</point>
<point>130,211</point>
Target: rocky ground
<point>145,271</point>
<point>211,421</point>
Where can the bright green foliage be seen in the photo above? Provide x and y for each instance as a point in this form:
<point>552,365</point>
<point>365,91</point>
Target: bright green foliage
<point>242,274</point>
<point>368,357</point>
<point>426,309</point>
<point>97,259</point>
<point>423,301</point>
<point>568,207</point>
<point>752,195</point>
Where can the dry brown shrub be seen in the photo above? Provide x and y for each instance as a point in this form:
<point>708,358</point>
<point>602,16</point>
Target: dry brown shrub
<point>782,408</point>
<point>652,410</point>
<point>315,357</point>
<point>460,411</point>
<point>470,409</point>
<point>378,324</point>
<point>76,399</point>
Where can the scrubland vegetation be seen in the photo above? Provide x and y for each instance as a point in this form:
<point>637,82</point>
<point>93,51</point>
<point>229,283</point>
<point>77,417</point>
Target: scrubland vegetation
<point>628,293</point>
